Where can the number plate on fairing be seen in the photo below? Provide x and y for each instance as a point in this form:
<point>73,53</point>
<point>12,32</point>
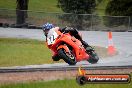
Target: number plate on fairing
<point>52,37</point>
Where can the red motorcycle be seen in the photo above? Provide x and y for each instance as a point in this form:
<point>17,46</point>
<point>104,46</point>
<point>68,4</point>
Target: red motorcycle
<point>69,48</point>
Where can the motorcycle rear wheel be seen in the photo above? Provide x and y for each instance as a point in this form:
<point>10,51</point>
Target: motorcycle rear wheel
<point>93,57</point>
<point>66,58</point>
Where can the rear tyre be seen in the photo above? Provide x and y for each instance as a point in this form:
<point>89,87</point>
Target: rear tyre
<point>70,59</point>
<point>93,57</point>
<point>56,58</point>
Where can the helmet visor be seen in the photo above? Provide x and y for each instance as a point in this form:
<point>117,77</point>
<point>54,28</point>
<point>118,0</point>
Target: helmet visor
<point>45,28</point>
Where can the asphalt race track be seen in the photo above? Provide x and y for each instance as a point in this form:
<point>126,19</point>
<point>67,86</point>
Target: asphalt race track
<point>122,42</point>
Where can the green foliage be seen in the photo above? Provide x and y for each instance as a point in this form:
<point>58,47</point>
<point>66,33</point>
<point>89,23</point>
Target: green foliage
<point>119,8</point>
<point>111,21</point>
<point>98,1</point>
<point>77,6</point>
<point>74,20</point>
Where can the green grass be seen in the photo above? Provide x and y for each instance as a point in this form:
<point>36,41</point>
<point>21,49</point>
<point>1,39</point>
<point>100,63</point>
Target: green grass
<point>34,5</point>
<point>48,5</point>
<point>67,83</point>
<point>44,5</point>
<point>16,52</point>
<point>100,8</point>
<point>8,4</point>
<point>22,52</point>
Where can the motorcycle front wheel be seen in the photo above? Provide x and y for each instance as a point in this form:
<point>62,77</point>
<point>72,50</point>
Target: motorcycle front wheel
<point>67,57</point>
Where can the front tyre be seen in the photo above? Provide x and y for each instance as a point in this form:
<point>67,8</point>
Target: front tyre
<point>67,57</point>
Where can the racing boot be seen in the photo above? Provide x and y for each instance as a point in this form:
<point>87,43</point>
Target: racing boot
<point>87,47</point>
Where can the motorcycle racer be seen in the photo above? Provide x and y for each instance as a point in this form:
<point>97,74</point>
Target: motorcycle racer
<point>48,28</point>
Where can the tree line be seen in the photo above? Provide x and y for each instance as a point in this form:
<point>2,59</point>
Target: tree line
<point>114,8</point>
